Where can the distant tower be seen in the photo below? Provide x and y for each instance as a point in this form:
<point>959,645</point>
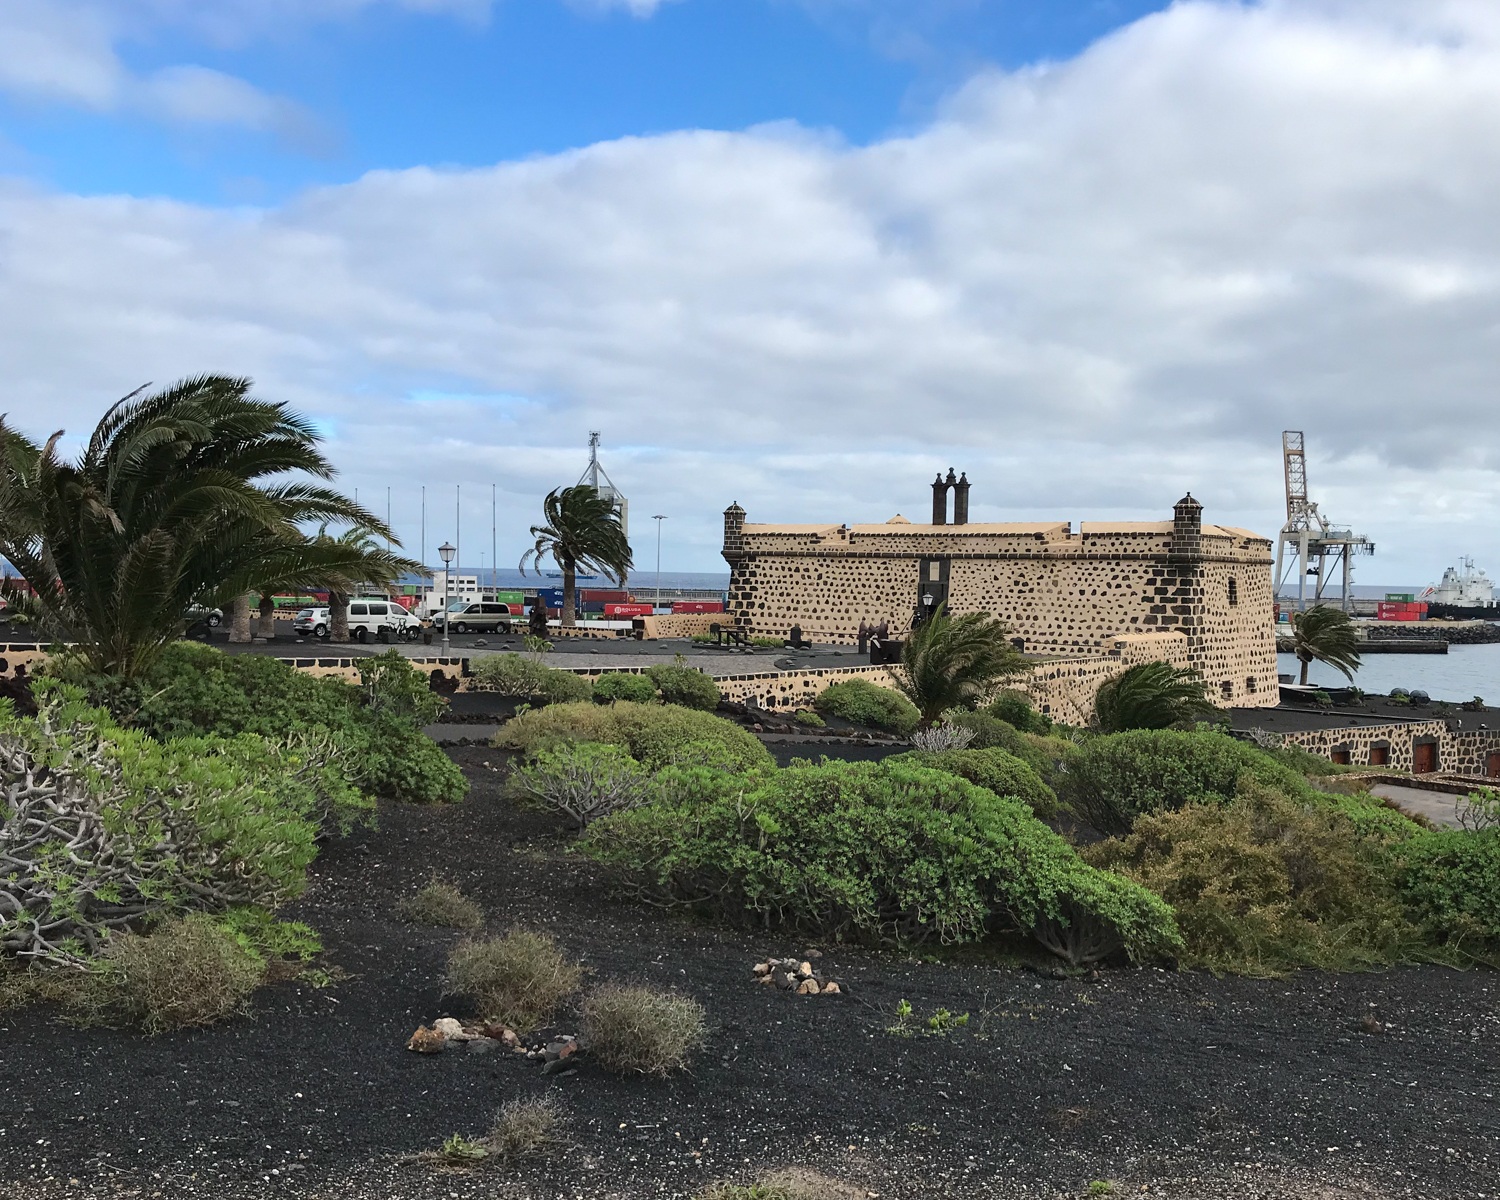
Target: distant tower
<point>598,478</point>
<point>939,500</point>
<point>961,500</point>
<point>734,530</point>
<point>1187,530</point>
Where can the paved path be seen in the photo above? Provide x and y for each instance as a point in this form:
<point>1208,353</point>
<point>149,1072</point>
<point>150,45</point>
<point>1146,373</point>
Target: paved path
<point>1437,807</point>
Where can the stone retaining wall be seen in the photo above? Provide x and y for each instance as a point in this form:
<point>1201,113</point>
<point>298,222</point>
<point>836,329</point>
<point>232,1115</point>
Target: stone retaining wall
<point>679,625</point>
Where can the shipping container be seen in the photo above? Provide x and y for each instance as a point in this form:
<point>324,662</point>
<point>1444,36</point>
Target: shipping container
<point>1400,597</point>
<point>697,606</point>
<point>605,595</point>
<point>1398,610</point>
<point>627,610</point>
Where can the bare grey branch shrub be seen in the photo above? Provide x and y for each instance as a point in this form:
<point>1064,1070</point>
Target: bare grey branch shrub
<point>584,781</point>
<point>943,737</point>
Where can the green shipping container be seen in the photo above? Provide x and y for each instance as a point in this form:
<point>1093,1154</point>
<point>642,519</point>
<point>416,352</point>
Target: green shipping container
<point>1400,597</point>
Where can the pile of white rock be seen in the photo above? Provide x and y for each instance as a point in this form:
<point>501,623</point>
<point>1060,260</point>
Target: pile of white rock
<point>792,975</point>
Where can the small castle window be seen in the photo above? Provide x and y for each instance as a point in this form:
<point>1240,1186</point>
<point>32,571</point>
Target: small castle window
<point>1249,683</point>
<point>1234,592</point>
<point>1226,688</point>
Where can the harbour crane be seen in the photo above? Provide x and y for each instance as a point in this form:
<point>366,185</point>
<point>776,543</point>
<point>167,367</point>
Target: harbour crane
<point>598,478</point>
<point>1317,547</point>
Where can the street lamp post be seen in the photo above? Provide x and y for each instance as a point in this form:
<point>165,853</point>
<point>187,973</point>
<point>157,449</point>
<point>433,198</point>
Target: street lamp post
<point>658,518</point>
<point>446,551</point>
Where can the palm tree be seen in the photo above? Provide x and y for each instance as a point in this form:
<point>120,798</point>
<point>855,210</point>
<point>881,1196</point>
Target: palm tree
<point>956,662</point>
<point>1327,635</point>
<point>353,559</point>
<point>582,529</point>
<point>1153,695</point>
<point>180,496</point>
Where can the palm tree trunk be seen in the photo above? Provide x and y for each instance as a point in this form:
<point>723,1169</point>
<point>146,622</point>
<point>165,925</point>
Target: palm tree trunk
<point>570,591</point>
<point>1306,662</point>
<point>239,618</point>
<point>338,617</point>
<point>267,627</point>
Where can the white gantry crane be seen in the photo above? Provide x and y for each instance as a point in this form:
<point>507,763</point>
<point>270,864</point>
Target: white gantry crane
<point>598,478</point>
<point>1317,547</point>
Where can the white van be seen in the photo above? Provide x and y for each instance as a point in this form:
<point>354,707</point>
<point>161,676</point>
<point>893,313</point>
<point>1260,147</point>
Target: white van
<point>367,620</point>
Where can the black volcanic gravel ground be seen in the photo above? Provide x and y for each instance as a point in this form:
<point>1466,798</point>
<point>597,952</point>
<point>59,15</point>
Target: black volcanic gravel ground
<point>1169,1083</point>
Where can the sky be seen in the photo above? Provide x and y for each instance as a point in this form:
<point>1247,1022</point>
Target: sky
<point>799,254</point>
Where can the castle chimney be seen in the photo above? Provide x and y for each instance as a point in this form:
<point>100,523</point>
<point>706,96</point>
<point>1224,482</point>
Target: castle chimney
<point>961,500</point>
<point>940,500</point>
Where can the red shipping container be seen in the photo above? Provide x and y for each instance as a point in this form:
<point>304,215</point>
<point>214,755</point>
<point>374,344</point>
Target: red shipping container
<point>697,606</point>
<point>627,610</point>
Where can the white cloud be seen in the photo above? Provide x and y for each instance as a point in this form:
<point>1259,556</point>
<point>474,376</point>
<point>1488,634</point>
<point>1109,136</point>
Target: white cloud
<point>1091,285</point>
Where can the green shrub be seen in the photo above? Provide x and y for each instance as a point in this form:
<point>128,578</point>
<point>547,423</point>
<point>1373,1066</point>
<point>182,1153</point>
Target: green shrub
<point>1014,708</point>
<point>1263,883</point>
<point>1112,780</point>
<point>1450,882</point>
<point>642,1030</point>
<point>186,973</point>
<point>887,852</point>
<point>655,735</point>
<point>582,780</point>
<point>375,728</point>
<point>685,686</point>
<point>442,905</point>
<point>521,676</point>
<point>999,771</point>
<point>806,716</point>
<point>518,980</point>
<point>622,685</point>
<point>865,703</point>
<point>137,827</point>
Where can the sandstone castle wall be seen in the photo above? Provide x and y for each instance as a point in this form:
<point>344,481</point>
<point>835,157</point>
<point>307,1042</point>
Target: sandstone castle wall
<point>1065,594</point>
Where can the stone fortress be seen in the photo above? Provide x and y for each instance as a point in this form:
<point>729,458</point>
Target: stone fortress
<point>1084,604</point>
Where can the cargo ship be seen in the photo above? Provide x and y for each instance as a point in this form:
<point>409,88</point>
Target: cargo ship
<point>1464,593</point>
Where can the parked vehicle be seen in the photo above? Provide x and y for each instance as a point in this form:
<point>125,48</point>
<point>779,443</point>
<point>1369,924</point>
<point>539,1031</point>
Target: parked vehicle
<point>476,617</point>
<point>311,621</point>
<point>368,619</point>
<point>197,614</point>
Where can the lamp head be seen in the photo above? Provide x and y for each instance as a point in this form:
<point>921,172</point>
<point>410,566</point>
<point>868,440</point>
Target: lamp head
<point>446,552</point>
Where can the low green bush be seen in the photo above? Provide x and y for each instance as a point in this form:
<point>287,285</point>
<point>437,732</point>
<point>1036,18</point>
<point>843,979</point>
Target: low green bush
<point>622,685</point>
<point>518,980</point>
<point>884,852</point>
<point>806,716</point>
<point>525,678</point>
<point>582,780</point>
<point>129,827</point>
<point>685,686</point>
<point>1014,708</point>
<point>1450,882</point>
<point>996,770</point>
<point>655,735</point>
<point>375,728</point>
<point>865,703</point>
<point>642,1030</point>
<point>1262,883</point>
<point>1111,780</point>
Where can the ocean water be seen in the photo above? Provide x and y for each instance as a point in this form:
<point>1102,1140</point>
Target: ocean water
<point>1461,674</point>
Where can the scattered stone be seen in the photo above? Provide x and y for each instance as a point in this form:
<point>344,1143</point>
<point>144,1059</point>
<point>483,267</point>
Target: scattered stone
<point>453,1030</point>
<point>794,975</point>
<point>482,1045</point>
<point>1370,1023</point>
<point>427,1041</point>
<point>758,728</point>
